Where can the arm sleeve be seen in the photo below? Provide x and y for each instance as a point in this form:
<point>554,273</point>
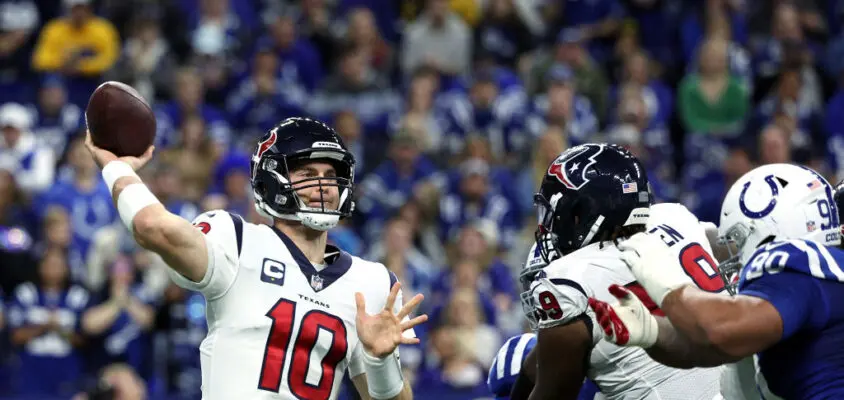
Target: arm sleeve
<point>795,296</point>
<point>223,236</point>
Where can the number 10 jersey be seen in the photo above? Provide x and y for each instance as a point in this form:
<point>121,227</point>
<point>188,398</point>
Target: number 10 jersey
<point>279,327</point>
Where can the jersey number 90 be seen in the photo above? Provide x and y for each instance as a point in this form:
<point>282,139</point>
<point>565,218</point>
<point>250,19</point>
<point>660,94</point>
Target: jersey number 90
<point>283,315</point>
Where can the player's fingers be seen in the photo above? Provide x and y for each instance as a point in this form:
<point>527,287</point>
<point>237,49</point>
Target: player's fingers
<point>410,306</point>
<point>391,299</point>
<point>413,322</point>
<point>148,154</point>
<point>409,340</point>
<point>361,303</point>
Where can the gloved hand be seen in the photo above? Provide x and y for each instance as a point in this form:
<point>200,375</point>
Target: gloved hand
<point>653,264</point>
<point>628,322</point>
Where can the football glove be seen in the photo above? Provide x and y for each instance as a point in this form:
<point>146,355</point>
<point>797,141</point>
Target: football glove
<point>627,322</point>
<point>655,267</point>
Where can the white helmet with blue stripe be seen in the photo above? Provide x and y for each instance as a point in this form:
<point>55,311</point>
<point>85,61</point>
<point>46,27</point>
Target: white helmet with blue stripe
<point>508,363</point>
<point>775,202</point>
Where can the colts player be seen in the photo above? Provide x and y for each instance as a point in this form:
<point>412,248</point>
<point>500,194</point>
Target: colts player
<point>788,288</point>
<point>287,313</point>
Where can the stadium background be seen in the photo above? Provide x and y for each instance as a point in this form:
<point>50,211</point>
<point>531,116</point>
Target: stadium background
<point>453,108</point>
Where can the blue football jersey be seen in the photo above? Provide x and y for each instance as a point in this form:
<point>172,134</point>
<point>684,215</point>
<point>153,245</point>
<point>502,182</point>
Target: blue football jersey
<point>508,363</point>
<point>804,281</point>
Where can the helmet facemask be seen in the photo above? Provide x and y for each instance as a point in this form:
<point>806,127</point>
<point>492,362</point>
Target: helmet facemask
<point>730,269</point>
<point>275,170</point>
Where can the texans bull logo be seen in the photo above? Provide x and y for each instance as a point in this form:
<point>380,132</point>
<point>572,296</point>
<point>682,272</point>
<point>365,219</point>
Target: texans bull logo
<point>570,168</point>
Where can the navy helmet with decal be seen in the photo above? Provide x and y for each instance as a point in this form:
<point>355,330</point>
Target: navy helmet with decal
<point>771,203</point>
<point>589,192</point>
<point>289,144</point>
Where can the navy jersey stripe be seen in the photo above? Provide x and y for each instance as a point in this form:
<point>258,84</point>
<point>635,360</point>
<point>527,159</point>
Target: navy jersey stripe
<point>238,231</point>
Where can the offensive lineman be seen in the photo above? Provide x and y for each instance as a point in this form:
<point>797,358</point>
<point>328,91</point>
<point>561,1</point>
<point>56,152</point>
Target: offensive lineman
<point>786,314</point>
<point>593,195</point>
<point>281,316</point>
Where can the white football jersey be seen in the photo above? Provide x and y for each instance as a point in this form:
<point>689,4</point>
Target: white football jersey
<point>278,327</point>
<point>561,291</point>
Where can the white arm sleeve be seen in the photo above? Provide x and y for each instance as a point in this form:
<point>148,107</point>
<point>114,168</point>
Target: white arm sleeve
<point>223,237</point>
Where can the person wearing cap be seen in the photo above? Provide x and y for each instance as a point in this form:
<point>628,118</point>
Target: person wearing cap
<point>31,164</point>
<point>473,198</point>
<point>78,44</point>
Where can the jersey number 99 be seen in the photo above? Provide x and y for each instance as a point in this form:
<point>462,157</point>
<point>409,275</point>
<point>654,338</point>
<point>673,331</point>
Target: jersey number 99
<point>283,315</point>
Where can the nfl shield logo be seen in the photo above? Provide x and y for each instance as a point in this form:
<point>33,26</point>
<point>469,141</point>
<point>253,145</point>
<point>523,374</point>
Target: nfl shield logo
<point>810,226</point>
<point>316,282</point>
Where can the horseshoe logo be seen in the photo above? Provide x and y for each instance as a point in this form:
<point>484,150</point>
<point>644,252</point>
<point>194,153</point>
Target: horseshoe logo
<point>775,191</point>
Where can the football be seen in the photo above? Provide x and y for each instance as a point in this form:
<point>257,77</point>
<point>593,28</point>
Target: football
<point>120,120</point>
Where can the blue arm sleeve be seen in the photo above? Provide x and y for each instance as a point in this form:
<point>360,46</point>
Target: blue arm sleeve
<point>795,296</point>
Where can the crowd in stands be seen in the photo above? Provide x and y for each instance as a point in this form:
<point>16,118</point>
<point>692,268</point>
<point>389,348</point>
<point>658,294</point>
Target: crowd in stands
<point>454,110</point>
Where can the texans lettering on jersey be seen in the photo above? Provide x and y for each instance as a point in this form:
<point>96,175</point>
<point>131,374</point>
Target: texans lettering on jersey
<point>804,281</point>
<point>559,295</point>
<point>279,327</point>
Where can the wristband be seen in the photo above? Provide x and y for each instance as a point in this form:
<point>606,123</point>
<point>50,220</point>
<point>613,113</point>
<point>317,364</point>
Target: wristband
<point>133,199</point>
<point>115,170</point>
<point>383,376</point>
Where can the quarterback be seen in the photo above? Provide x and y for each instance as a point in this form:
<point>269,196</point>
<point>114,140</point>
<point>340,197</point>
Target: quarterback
<point>288,314</point>
<point>787,281</point>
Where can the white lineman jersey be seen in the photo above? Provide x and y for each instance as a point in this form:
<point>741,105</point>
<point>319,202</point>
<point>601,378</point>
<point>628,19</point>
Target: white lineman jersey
<point>560,293</point>
<point>278,327</point>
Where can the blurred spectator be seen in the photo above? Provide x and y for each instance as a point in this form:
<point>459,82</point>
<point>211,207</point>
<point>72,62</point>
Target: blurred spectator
<point>563,107</point>
<point>476,244</point>
<point>117,381</point>
<point>363,33</point>
<point>634,114</point>
<point>16,235</point>
<point>232,190</point>
<point>32,164</point>
<point>79,45</point>
<point>638,70</point>
<point>85,198</point>
<point>486,113</point>
<point>473,199</point>
<point>503,34</point>
<point>262,101</point>
<point>420,112</point>
<point>146,62</point>
<point>189,94</point>
<point>596,21</point>
<point>713,102</point>
<point>56,233</point>
<point>44,319</point>
<point>355,86</point>
<point>121,319</point>
<point>348,127</point>
<point>300,62</point>
<point>19,20</point>
<point>774,146</point>
<point>392,183</point>
<point>590,80</point>
<point>789,107</point>
<point>439,39</point>
<point>193,157</point>
<point>56,120</point>
<point>181,320</point>
<point>398,253</point>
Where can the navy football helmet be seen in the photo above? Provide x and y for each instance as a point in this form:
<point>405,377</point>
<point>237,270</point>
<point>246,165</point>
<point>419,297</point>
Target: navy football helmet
<point>291,143</point>
<point>588,192</point>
